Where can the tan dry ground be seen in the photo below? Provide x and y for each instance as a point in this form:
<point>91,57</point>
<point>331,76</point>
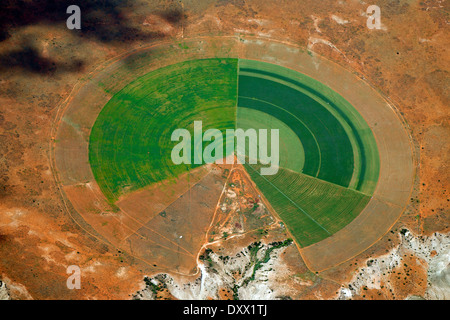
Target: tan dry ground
<point>240,209</point>
<point>145,204</point>
<point>407,61</point>
<point>183,224</point>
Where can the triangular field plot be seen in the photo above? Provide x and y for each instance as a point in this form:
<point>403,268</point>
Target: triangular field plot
<point>312,209</point>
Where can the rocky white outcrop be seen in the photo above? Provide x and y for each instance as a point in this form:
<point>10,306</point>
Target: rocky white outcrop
<point>4,294</point>
<point>434,250</point>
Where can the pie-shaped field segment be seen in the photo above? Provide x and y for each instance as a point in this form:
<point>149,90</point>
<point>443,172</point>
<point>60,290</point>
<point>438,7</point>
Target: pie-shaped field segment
<point>329,162</point>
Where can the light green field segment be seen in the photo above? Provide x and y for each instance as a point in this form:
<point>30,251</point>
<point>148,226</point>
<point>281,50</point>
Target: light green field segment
<point>290,146</point>
<point>130,143</point>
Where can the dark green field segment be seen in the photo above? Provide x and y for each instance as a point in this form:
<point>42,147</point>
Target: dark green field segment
<point>338,144</point>
<point>329,163</point>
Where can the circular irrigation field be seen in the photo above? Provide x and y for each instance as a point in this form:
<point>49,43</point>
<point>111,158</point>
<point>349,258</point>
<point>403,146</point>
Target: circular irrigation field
<point>345,163</point>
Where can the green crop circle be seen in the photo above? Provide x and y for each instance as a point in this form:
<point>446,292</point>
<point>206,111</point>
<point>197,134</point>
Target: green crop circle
<point>329,163</point>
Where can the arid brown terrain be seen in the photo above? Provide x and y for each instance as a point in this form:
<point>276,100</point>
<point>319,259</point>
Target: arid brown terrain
<point>41,62</point>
